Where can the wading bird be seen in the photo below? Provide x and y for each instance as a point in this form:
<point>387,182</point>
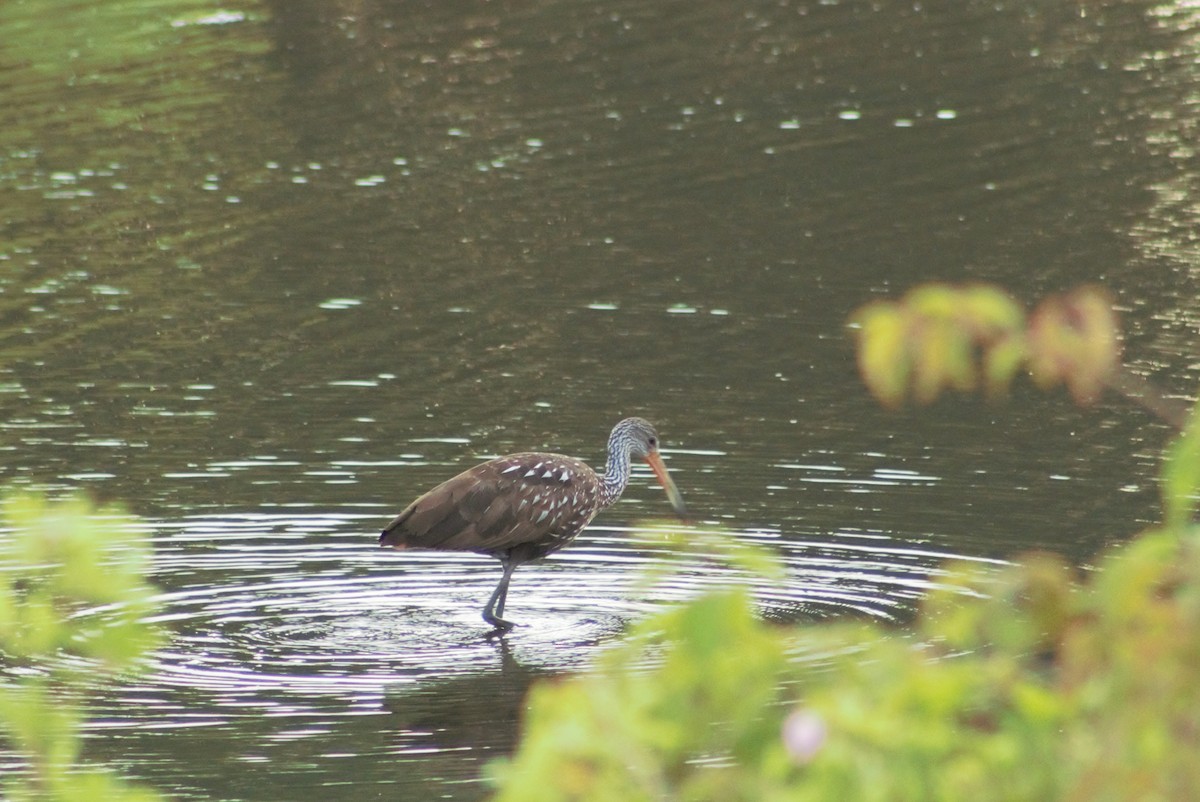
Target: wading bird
<point>524,506</point>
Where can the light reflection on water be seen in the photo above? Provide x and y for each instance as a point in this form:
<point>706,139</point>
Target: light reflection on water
<point>296,643</point>
<point>301,603</point>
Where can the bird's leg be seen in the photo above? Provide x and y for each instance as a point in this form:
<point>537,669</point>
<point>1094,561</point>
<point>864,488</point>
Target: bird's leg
<point>495,605</point>
<point>499,611</point>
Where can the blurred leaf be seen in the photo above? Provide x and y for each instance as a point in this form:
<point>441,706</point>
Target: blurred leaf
<point>1181,475</point>
<point>883,358</point>
<point>1001,363</point>
<point>1047,357</point>
<point>935,362</point>
<point>623,734</point>
<point>728,549</point>
<point>71,581</point>
<point>121,643</point>
<point>10,613</point>
<point>42,629</point>
<point>990,311</point>
<point>939,337</point>
<point>1020,685</point>
<point>934,300</point>
<point>1130,585</point>
<point>1040,704</point>
<point>1019,608</point>
<point>63,559</point>
<point>40,724</point>
<point>1073,339</point>
<point>100,786</point>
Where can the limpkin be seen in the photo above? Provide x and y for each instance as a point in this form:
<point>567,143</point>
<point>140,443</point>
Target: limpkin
<point>524,506</point>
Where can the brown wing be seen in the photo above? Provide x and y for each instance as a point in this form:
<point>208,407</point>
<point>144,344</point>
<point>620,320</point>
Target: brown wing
<point>509,501</point>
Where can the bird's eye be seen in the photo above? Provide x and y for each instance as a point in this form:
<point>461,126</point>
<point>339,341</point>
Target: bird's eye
<point>653,442</point>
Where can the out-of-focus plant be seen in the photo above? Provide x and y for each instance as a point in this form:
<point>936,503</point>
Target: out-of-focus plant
<point>928,341</point>
<point>1031,682</point>
<point>1029,686</point>
<point>73,604</point>
<point>940,337</point>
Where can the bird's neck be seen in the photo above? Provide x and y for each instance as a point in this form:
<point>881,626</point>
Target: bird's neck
<point>616,475</point>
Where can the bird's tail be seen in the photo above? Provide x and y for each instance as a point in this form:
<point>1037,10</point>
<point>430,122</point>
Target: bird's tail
<point>391,538</point>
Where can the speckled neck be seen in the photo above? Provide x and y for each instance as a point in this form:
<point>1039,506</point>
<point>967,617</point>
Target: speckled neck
<point>616,470</point>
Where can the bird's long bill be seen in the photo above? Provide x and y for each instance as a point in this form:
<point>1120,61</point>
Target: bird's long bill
<point>664,478</point>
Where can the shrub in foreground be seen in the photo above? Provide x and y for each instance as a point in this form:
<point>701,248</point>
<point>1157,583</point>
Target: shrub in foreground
<point>73,605</point>
<point>1027,683</point>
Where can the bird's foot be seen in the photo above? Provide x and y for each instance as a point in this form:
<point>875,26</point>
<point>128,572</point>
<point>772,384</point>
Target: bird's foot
<point>501,626</point>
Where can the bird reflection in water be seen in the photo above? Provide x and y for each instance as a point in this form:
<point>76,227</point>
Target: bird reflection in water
<point>480,711</point>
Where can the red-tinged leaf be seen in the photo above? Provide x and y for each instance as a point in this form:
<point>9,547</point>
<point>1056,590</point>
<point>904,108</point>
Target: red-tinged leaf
<point>1073,339</point>
<point>1047,354</point>
<point>1092,316</point>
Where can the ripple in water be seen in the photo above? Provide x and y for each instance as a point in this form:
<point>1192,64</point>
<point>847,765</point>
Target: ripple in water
<point>305,653</point>
<point>297,646</point>
<point>309,604</point>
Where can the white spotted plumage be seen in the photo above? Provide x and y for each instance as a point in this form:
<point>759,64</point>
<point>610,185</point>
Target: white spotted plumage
<point>524,506</point>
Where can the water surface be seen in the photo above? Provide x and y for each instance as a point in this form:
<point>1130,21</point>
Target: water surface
<point>268,271</point>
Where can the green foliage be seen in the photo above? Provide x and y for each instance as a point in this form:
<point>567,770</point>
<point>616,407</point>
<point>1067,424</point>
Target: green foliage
<point>690,684</point>
<point>1018,685</point>
<point>941,337</point>
<point>1181,474</point>
<point>72,583</point>
<point>1028,683</point>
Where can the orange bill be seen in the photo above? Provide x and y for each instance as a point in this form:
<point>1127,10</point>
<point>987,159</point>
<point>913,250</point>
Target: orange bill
<point>664,478</point>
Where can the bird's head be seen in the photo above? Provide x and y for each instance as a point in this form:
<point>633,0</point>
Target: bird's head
<point>640,439</point>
